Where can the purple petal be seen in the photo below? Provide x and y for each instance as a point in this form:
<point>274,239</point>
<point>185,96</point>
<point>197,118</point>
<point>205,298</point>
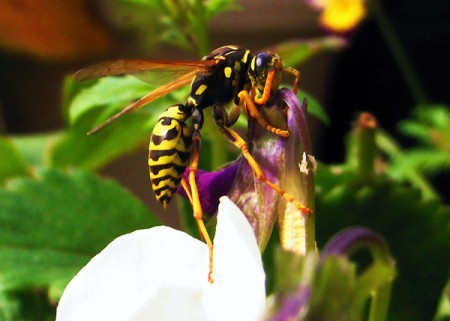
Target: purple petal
<point>297,121</point>
<point>351,239</point>
<point>212,185</point>
<point>292,304</point>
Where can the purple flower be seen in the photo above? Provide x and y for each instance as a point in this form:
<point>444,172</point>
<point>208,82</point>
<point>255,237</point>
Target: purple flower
<point>331,288</point>
<point>279,159</point>
<point>212,185</point>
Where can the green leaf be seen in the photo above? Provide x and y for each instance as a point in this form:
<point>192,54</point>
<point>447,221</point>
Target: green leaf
<point>109,95</point>
<point>12,161</point>
<point>314,107</point>
<point>51,225</point>
<point>389,146</point>
<point>94,104</point>
<point>430,125</point>
<point>422,160</point>
<point>76,149</point>
<point>215,7</point>
<point>443,311</point>
<point>297,52</point>
<point>35,148</point>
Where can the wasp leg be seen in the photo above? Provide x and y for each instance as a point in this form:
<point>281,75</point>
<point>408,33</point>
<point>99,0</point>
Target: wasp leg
<point>296,74</point>
<point>186,189</point>
<point>247,104</point>
<point>195,199</point>
<point>239,142</point>
<point>267,88</point>
<point>234,114</point>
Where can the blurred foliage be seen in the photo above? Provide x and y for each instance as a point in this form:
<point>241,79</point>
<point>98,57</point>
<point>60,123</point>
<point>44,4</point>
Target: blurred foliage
<point>182,23</point>
<point>430,126</point>
<point>443,313</point>
<point>345,198</point>
<point>52,224</point>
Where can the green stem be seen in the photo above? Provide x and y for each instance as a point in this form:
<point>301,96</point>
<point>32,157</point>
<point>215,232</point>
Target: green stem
<point>398,52</point>
<point>218,143</point>
<point>200,26</point>
<point>380,303</point>
<point>362,149</point>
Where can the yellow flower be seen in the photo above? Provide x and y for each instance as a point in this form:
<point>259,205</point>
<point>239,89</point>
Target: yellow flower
<point>340,15</point>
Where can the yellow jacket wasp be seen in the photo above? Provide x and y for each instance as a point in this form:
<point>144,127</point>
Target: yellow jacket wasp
<point>227,73</point>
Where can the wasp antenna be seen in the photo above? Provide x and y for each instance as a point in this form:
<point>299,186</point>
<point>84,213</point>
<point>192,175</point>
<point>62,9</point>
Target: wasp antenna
<point>98,128</point>
<point>111,119</point>
<point>79,75</point>
<point>95,130</point>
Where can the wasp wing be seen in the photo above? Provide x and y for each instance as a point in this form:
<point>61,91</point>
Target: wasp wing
<point>155,94</point>
<point>140,68</point>
<point>124,66</point>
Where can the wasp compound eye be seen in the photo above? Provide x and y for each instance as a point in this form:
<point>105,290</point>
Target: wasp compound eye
<point>263,60</point>
<point>260,66</point>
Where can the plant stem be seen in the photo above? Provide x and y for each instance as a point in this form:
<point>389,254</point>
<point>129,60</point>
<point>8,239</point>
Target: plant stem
<point>362,149</point>
<point>200,27</point>
<point>380,303</point>
<point>218,143</point>
<point>398,52</point>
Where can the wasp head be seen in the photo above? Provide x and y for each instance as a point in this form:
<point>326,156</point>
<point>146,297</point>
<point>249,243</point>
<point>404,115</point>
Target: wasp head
<point>261,66</point>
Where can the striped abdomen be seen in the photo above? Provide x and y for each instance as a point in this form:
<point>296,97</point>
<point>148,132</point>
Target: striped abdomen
<point>169,152</point>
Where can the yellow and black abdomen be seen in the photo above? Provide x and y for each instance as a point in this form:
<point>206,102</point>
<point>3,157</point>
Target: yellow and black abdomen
<point>169,152</point>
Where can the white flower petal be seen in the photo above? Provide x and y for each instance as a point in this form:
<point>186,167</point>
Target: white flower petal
<point>154,274</point>
<point>238,292</point>
<point>161,274</point>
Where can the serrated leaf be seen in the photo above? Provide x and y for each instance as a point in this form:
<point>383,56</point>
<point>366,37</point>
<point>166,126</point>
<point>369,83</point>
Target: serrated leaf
<point>50,226</point>
<point>422,160</point>
<point>430,125</point>
<point>12,162</point>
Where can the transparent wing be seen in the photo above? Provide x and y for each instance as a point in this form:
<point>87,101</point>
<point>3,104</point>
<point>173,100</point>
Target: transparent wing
<point>155,94</point>
<point>136,67</point>
<point>174,73</point>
